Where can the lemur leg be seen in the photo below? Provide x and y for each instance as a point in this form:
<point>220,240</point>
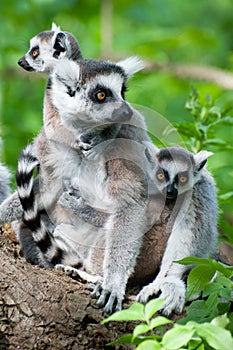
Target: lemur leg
<point>123,242</point>
<point>11,209</point>
<point>169,280</point>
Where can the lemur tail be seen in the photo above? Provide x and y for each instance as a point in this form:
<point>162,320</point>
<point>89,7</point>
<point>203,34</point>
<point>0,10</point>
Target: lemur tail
<point>31,214</point>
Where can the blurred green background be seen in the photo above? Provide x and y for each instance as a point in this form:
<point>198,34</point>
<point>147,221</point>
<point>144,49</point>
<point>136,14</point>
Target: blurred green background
<point>165,33</point>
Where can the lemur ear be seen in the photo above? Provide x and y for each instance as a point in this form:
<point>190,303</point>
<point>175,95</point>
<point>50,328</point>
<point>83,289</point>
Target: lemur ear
<point>67,72</point>
<point>131,65</point>
<point>150,150</point>
<point>60,44</point>
<point>201,158</point>
<point>55,28</point>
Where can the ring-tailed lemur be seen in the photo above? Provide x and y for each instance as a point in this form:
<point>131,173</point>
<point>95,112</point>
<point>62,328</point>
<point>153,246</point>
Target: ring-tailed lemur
<point>187,224</point>
<point>89,94</point>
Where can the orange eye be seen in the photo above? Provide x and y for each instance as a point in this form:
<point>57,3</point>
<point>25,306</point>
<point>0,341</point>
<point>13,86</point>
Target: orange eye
<point>35,53</point>
<point>160,176</point>
<point>101,96</point>
<point>183,179</point>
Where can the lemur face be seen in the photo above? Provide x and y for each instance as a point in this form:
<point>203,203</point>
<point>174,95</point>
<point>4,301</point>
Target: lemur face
<point>47,48</point>
<point>176,170</point>
<point>91,92</point>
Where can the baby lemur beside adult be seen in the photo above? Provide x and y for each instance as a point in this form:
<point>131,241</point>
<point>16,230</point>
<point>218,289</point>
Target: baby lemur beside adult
<point>185,222</point>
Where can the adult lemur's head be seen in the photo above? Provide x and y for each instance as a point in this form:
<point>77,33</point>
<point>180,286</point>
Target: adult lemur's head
<point>47,47</point>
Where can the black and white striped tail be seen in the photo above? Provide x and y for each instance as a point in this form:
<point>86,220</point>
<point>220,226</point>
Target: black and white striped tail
<point>27,164</point>
<point>52,251</point>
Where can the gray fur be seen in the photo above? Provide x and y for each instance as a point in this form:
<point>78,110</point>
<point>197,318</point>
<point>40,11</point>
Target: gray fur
<point>60,160</point>
<point>4,182</point>
<point>190,219</point>
<point>111,192</point>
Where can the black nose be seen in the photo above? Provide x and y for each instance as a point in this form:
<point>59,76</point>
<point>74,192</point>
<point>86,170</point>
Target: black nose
<point>122,114</point>
<point>171,192</point>
<point>20,62</point>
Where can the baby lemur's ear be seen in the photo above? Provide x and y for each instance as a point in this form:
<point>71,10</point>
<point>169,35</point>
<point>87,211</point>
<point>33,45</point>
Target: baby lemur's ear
<point>55,28</point>
<point>131,65</point>
<point>150,151</point>
<point>61,45</point>
<point>201,158</point>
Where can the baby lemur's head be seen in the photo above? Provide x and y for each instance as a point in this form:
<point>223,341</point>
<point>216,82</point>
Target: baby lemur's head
<point>47,47</point>
<point>175,170</point>
<point>90,91</point>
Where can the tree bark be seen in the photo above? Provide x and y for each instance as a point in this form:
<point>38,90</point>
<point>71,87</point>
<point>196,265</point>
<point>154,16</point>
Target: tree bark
<point>45,309</point>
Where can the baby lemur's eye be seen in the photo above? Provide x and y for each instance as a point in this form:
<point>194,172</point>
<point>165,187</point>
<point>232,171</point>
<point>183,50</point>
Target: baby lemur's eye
<point>183,179</point>
<point>160,175</point>
<point>35,52</point>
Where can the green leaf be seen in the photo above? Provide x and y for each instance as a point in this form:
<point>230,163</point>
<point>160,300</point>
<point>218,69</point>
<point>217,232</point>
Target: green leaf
<point>177,337</point>
<point>220,321</point>
<point>159,321</point>
<point>196,344</point>
<point>125,339</point>
<point>196,311</point>
<point>187,129</point>
<point>226,196</point>
<point>149,345</point>
<point>134,313</point>
<point>193,260</point>
<point>152,307</point>
<point>198,279</point>
<point>140,329</point>
<point>217,337</point>
<point>212,301</point>
<point>218,142</point>
<point>223,121</point>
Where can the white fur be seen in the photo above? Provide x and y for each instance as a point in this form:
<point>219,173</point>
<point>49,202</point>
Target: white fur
<point>55,28</point>
<point>131,65</point>
<point>201,156</point>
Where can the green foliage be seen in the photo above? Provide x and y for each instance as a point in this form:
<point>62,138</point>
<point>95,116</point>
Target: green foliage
<point>213,279</point>
<point>208,324</point>
<point>206,118</point>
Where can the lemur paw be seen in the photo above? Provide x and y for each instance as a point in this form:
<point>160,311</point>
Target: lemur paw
<point>70,199</point>
<point>107,300</point>
<point>172,290</point>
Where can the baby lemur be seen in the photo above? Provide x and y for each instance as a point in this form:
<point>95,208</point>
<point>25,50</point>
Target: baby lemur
<point>185,197</point>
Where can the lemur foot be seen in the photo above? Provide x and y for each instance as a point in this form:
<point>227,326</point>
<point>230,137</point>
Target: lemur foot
<point>82,276</point>
<point>107,300</point>
<point>172,291</point>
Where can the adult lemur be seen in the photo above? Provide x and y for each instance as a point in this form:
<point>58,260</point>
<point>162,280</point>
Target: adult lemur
<point>94,94</point>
